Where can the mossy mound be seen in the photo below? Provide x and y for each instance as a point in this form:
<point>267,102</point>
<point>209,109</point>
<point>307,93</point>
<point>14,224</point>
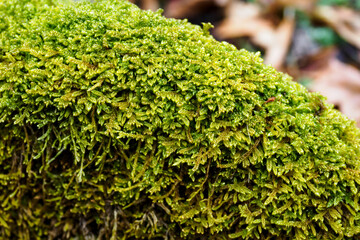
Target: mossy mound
<point>117,123</point>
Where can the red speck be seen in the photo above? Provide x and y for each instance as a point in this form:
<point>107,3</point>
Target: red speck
<point>270,99</point>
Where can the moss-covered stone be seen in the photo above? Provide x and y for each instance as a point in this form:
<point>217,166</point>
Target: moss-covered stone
<point>117,123</point>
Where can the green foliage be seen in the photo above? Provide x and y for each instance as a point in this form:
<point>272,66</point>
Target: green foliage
<point>117,123</point>
<point>344,3</point>
<point>324,36</point>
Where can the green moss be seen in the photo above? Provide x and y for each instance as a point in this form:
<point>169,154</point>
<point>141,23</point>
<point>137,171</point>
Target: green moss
<point>117,123</point>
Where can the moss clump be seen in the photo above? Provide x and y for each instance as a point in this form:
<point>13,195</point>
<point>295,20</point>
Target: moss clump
<point>119,123</point>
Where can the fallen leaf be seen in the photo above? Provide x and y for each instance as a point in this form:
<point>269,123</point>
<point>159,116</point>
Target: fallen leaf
<point>150,5</point>
<point>190,8</point>
<point>276,42</point>
<point>303,5</point>
<point>242,20</point>
<point>247,20</point>
<point>345,21</point>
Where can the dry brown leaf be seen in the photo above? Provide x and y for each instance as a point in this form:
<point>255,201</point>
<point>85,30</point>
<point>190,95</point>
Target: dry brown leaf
<point>242,28</point>
<point>189,8</point>
<point>242,19</point>
<point>276,42</point>
<point>246,20</point>
<point>150,5</point>
<point>340,83</point>
<point>240,10</point>
<point>304,5</point>
<point>345,21</point>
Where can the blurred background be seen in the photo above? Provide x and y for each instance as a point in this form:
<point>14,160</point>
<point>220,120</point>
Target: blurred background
<point>317,42</point>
